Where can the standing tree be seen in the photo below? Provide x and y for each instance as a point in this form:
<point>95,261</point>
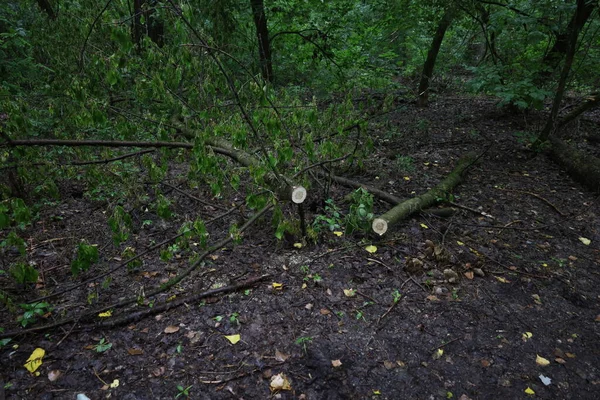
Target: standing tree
<point>264,45</point>
<point>432,54</point>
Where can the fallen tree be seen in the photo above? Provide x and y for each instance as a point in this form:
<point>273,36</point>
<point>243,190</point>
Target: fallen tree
<point>583,167</point>
<point>382,223</point>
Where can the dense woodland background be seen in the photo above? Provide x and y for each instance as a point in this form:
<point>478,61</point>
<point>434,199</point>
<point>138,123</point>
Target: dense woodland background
<point>248,107</point>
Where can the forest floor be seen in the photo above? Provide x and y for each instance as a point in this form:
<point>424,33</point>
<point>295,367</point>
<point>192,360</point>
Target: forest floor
<point>521,320</point>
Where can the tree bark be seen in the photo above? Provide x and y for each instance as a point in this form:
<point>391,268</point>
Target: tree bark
<point>551,124</point>
<point>582,167</point>
<point>432,54</point>
<point>262,34</point>
<point>381,224</point>
<point>593,100</point>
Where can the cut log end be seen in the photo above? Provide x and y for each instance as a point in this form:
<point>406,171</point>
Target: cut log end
<point>380,226</point>
<point>298,194</point>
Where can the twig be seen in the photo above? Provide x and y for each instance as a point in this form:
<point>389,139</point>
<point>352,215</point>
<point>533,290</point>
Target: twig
<point>366,297</point>
<point>537,196</point>
<point>193,197</point>
<point>470,209</point>
<point>444,344</point>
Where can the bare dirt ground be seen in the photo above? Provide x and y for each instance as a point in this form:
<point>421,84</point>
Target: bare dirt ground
<point>344,323</point>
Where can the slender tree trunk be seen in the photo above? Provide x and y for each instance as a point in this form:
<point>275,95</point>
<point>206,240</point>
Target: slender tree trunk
<point>432,54</point>
<point>262,33</point>
<point>137,28</point>
<point>47,7</point>
<point>551,124</point>
<point>561,45</point>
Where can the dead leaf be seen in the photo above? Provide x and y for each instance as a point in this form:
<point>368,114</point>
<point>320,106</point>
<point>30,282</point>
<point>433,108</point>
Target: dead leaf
<point>54,375</point>
<point>277,286</point>
<point>585,241</point>
<point>537,299</point>
<point>349,292</point>
<point>338,233</point>
<point>158,371</point>
<point>541,361</point>
<point>526,336</point>
<point>597,318</point>
<point>485,363</point>
<point>502,279</point>
<point>469,275</point>
<point>389,364</point>
<point>281,357</point>
<point>135,352</point>
<point>105,314</point>
<point>438,354</point>
<point>309,306</point>
<point>570,355</point>
<point>324,311</point>
<point>432,297</point>
<point>171,329</point>
<point>560,360</point>
<point>371,249</point>
<point>336,363</point>
<point>529,391</point>
<point>280,382</point>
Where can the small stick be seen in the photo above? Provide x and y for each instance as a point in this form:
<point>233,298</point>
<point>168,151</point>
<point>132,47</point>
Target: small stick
<point>444,344</point>
<point>537,196</point>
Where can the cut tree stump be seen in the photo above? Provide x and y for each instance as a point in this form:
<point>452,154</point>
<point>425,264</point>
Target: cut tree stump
<point>381,224</point>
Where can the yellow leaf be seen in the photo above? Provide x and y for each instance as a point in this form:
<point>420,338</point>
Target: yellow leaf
<point>438,354</point>
<point>349,292</point>
<point>304,285</point>
<point>172,298</point>
<point>585,241</point>
<point>277,286</point>
<point>371,249</point>
<point>105,314</point>
<point>234,338</point>
<point>526,336</point>
<point>426,164</point>
<point>376,392</point>
<point>407,178</point>
<point>529,391</point>
<point>298,245</point>
<point>541,361</point>
<point>424,226</point>
<point>338,233</point>
<point>114,383</point>
<point>501,279</point>
<point>458,242</point>
<point>280,382</point>
<point>35,360</point>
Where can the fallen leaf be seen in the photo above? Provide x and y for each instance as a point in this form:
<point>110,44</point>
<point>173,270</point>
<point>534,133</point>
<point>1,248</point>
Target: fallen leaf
<point>324,311</point>
<point>438,354</point>
<point>336,363</point>
<point>309,306</point>
<point>280,382</point>
<point>536,299</point>
<point>234,338</point>
<point>35,360</point>
<point>526,336</point>
<point>304,285</point>
<point>114,383</point>
<point>541,361</point>
<point>105,314</point>
<point>298,245</point>
<point>597,319</point>
<point>54,375</point>
<point>424,226</point>
<point>432,297</point>
<point>560,360</point>
<point>529,391</point>
<point>338,233</point>
<point>376,392</point>
<point>407,178</point>
<point>502,279</point>
<point>277,286</point>
<point>281,357</point>
<point>371,249</point>
<point>158,371</point>
<point>171,298</point>
<point>469,275</point>
<point>485,363</point>
<point>572,258</point>
<point>458,242</point>
<point>171,329</point>
<point>545,380</point>
<point>349,292</point>
<point>135,352</point>
<point>585,241</point>
<point>570,355</point>
<point>389,364</point>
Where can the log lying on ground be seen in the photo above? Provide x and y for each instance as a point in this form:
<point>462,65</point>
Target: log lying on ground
<point>583,167</point>
<point>283,187</point>
<point>382,223</point>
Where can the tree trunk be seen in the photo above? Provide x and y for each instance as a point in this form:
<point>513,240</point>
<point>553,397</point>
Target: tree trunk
<point>152,26</point>
<point>47,7</point>
<point>551,124</point>
<point>593,100</point>
<point>582,167</point>
<point>432,54</point>
<point>262,34</point>
<point>426,200</point>
<point>561,45</point>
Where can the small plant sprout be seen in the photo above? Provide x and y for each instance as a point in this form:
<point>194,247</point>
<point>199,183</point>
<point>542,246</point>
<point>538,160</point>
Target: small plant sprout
<point>102,346</point>
<point>303,341</point>
<point>397,295</point>
<point>234,318</point>
<point>183,391</point>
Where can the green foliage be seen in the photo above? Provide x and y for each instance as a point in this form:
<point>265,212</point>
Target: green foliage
<point>120,224</point>
<point>128,253</point>
<point>331,220</point>
<point>183,391</point>
<point>87,254</point>
<point>405,163</point>
<point>23,273</point>
<point>32,311</point>
<point>163,207</point>
<point>102,346</point>
<point>12,239</point>
<point>360,215</point>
